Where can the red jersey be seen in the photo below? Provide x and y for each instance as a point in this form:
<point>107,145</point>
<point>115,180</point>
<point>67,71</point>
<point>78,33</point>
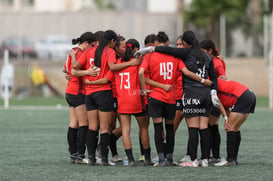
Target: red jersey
<point>220,66</point>
<point>75,85</point>
<point>229,91</point>
<point>113,83</point>
<point>163,69</point>
<point>87,59</point>
<point>178,86</point>
<point>128,90</point>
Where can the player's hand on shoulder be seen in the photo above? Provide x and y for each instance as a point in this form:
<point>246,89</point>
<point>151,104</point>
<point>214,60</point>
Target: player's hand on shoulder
<point>73,52</point>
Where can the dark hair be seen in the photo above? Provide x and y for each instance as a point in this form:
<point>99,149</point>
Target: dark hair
<point>131,44</point>
<point>119,39</point>
<point>151,38</point>
<point>208,44</point>
<point>162,37</point>
<point>87,36</point>
<point>106,37</point>
<point>190,38</point>
<point>98,35</point>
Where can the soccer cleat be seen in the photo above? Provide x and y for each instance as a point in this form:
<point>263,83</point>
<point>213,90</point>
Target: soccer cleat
<point>186,158</point>
<point>98,160</point>
<point>204,163</point>
<point>160,164</point>
<point>116,158</point>
<point>189,163</point>
<point>73,158</point>
<point>141,158</point>
<point>231,163</point>
<point>80,161</point>
<point>130,164</point>
<point>221,163</point>
<point>155,159</point>
<point>109,163</point>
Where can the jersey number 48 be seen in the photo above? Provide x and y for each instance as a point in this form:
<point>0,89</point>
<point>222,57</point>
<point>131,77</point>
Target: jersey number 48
<point>166,70</point>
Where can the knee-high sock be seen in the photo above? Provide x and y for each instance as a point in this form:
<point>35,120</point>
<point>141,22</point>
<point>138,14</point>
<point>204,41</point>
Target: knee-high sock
<point>91,143</point>
<point>140,146</point>
<point>231,142</point>
<point>113,144</point>
<point>170,141</point>
<point>237,144</point>
<point>216,140</point>
<point>147,154</point>
<point>72,140</point>
<point>188,151</point>
<point>204,140</point>
<point>158,127</point>
<point>82,140</point>
<point>105,142</point>
<point>129,154</point>
<point>193,142</point>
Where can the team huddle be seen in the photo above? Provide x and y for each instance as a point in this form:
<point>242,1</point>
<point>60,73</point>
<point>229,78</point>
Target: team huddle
<point>111,78</point>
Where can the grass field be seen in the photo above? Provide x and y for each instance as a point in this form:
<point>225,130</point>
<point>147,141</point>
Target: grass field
<point>34,147</point>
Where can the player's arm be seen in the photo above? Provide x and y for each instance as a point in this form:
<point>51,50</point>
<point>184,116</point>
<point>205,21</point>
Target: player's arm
<point>193,76</point>
<point>101,81</point>
<point>92,71</point>
<point>166,87</point>
<point>116,67</point>
<point>142,81</point>
<point>74,62</point>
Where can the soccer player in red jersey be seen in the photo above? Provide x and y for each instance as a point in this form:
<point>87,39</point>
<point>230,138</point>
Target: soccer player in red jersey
<point>75,97</point>
<point>220,69</point>
<point>163,69</point>
<point>116,132</point>
<point>99,98</point>
<point>239,101</point>
<point>130,103</point>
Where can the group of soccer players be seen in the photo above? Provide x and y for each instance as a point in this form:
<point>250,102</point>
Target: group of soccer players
<point>109,78</point>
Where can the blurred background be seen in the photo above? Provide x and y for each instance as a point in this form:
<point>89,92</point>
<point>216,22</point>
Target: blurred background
<point>38,34</point>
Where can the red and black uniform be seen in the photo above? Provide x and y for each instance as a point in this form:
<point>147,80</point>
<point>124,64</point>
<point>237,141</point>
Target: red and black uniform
<point>236,96</point>
<point>98,96</point>
<point>162,68</point>
<point>128,90</point>
<point>75,89</point>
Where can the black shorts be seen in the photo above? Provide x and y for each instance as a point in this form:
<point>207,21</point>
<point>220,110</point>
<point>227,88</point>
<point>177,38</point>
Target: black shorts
<point>246,103</point>
<point>196,101</point>
<point>158,109</point>
<point>102,100</point>
<point>75,100</point>
<point>215,112</point>
<point>178,105</point>
<point>115,104</point>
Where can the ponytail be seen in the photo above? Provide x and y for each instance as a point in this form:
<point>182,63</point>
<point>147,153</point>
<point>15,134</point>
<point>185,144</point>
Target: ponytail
<point>106,37</point>
<point>131,44</point>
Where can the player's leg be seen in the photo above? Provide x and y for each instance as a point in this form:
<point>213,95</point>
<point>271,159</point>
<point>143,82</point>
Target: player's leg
<point>204,140</point>
<point>125,121</point>
<point>145,139</point>
<point>81,115</point>
<point>72,135</point>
